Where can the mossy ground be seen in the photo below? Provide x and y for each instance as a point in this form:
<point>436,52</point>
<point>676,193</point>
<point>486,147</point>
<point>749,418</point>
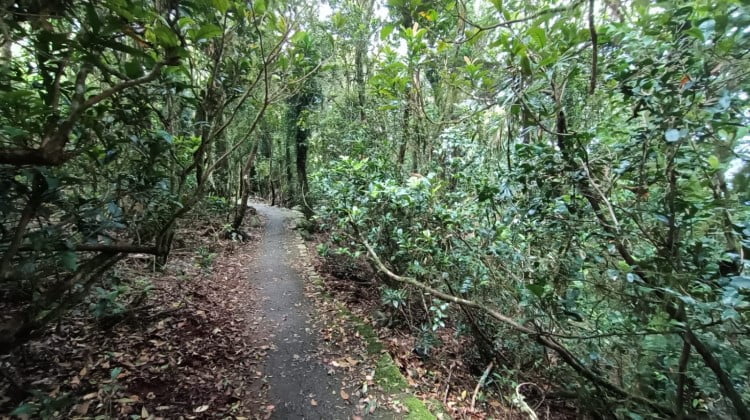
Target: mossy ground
<point>387,375</point>
<point>417,409</point>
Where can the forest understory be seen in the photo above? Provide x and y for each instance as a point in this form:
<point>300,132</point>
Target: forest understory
<point>517,209</point>
<point>185,341</point>
<point>189,341</point>
<point>442,366</point>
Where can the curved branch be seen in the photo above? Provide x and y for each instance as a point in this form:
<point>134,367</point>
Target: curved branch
<point>506,23</point>
<point>566,355</point>
<point>52,150</point>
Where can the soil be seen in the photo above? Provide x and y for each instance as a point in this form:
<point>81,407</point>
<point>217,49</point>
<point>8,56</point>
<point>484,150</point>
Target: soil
<point>192,348</point>
<point>225,330</point>
<point>300,384</point>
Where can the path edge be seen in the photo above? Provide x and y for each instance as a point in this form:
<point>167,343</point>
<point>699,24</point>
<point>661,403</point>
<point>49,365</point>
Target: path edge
<point>387,375</point>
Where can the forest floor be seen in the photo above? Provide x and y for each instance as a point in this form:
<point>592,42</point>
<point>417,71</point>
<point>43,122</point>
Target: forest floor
<point>301,384</point>
<point>224,330</point>
<point>447,375</point>
<point>261,329</point>
<point>440,367</point>
<point>185,341</point>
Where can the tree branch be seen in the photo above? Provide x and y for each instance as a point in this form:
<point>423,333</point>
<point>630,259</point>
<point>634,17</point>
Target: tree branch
<point>506,23</point>
<point>52,150</point>
<point>594,48</point>
<point>539,337</point>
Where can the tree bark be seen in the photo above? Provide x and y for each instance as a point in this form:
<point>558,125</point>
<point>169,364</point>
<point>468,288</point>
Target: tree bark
<point>539,336</point>
<point>245,188</point>
<point>598,204</point>
<point>679,406</point>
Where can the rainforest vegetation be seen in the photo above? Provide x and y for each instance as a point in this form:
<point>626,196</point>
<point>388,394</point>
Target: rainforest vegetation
<point>564,182</point>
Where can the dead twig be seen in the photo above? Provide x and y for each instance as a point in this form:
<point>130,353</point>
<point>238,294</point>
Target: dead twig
<point>521,402</point>
<point>448,384</point>
<point>481,383</point>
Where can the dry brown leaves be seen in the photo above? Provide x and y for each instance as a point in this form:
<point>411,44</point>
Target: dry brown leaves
<point>447,376</point>
<point>192,350</point>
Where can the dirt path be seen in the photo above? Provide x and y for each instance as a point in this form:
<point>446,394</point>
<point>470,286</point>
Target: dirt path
<point>300,386</point>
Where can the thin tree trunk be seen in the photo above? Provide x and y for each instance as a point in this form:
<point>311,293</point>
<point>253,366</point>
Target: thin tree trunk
<point>679,406</point>
<point>245,184</point>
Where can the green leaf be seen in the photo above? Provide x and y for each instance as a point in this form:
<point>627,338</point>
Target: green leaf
<point>69,260</point>
<point>713,162</point>
<point>729,313</point>
<point>632,277</point>
<point>740,282</point>
<point>185,22</point>
<point>221,5</point>
<point>386,31</point>
<point>133,69</point>
<point>538,36</point>
<point>300,37</point>
<point>338,20</point>
<point>163,35</point>
<point>207,31</point>
<point>169,138</point>
<point>536,289</point>
<point>114,210</point>
<point>23,409</point>
<point>696,33</point>
<point>526,65</point>
<point>117,46</point>
<point>93,18</point>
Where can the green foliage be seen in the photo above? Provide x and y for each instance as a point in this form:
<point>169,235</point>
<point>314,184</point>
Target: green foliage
<point>107,303</point>
<point>611,218</point>
<point>582,171</point>
<point>44,405</point>
<point>217,205</point>
<point>205,257</point>
<point>393,297</point>
<point>115,123</point>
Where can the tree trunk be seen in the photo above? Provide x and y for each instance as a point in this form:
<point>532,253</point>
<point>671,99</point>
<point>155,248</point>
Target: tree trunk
<point>245,184</point>
<point>301,163</point>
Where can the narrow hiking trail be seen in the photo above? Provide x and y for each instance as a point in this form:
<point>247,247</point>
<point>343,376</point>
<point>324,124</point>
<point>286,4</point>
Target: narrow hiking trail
<point>300,386</point>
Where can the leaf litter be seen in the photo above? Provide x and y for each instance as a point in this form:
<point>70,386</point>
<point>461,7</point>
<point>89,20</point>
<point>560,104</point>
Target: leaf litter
<point>193,348</point>
<point>448,376</point>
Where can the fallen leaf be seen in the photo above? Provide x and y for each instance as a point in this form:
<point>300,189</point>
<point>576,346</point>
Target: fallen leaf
<point>344,395</point>
<point>83,408</point>
<point>313,403</point>
<point>200,409</point>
